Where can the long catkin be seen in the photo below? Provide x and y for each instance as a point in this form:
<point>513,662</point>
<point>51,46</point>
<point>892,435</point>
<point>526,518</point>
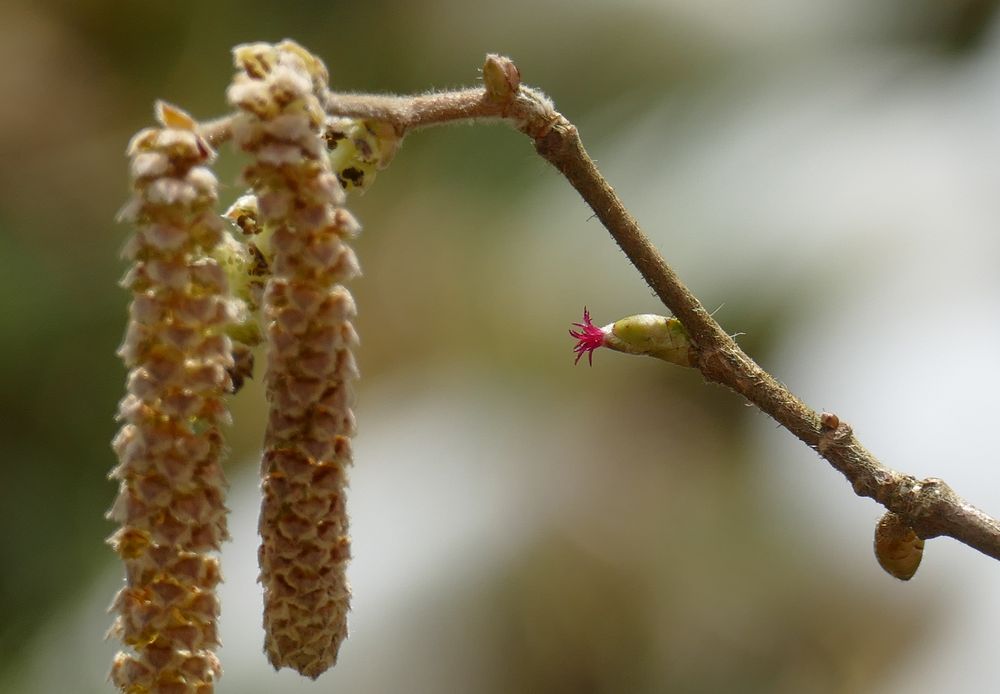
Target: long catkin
<point>308,317</point>
<point>170,505</point>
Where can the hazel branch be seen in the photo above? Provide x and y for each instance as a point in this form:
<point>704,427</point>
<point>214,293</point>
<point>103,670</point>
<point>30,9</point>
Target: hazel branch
<point>930,507</point>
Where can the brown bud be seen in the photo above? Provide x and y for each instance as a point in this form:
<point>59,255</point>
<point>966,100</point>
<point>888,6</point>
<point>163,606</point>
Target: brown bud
<point>829,420</point>
<point>897,547</point>
<point>501,78</point>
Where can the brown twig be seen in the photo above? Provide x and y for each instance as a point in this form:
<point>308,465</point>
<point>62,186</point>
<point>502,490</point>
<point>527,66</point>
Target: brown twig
<point>928,506</point>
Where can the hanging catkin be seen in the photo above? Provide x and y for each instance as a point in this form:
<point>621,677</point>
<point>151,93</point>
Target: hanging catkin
<point>310,366</point>
<point>170,502</point>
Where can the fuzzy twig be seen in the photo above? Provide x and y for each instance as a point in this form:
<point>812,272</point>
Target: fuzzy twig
<point>928,506</point>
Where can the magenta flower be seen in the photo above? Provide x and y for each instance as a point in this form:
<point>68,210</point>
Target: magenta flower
<point>588,338</point>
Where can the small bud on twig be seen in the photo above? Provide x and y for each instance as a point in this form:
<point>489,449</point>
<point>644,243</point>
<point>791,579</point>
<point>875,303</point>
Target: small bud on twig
<point>501,78</point>
<point>359,149</point>
<point>828,420</point>
<point>897,547</point>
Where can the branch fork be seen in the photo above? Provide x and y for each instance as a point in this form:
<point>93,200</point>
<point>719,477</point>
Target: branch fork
<point>929,507</point>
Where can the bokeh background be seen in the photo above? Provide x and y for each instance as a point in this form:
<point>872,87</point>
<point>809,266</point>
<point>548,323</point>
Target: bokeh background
<point>823,173</point>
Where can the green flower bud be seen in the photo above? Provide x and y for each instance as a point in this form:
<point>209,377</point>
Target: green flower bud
<point>645,334</point>
<point>655,336</point>
<point>359,149</point>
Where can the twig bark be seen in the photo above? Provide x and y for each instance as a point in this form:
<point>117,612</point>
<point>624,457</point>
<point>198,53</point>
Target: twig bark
<point>928,506</point>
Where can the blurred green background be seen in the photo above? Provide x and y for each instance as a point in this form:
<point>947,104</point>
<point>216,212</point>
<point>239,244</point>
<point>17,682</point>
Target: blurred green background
<point>522,525</point>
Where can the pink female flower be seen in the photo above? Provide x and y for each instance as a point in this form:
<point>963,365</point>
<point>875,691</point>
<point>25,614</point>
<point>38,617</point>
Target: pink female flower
<point>588,338</point>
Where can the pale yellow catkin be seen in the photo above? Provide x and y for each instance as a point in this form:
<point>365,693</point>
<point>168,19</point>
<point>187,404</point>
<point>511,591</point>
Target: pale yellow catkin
<point>307,315</point>
<point>170,504</point>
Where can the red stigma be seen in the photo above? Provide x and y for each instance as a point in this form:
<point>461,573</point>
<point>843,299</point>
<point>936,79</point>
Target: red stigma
<point>588,338</point>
